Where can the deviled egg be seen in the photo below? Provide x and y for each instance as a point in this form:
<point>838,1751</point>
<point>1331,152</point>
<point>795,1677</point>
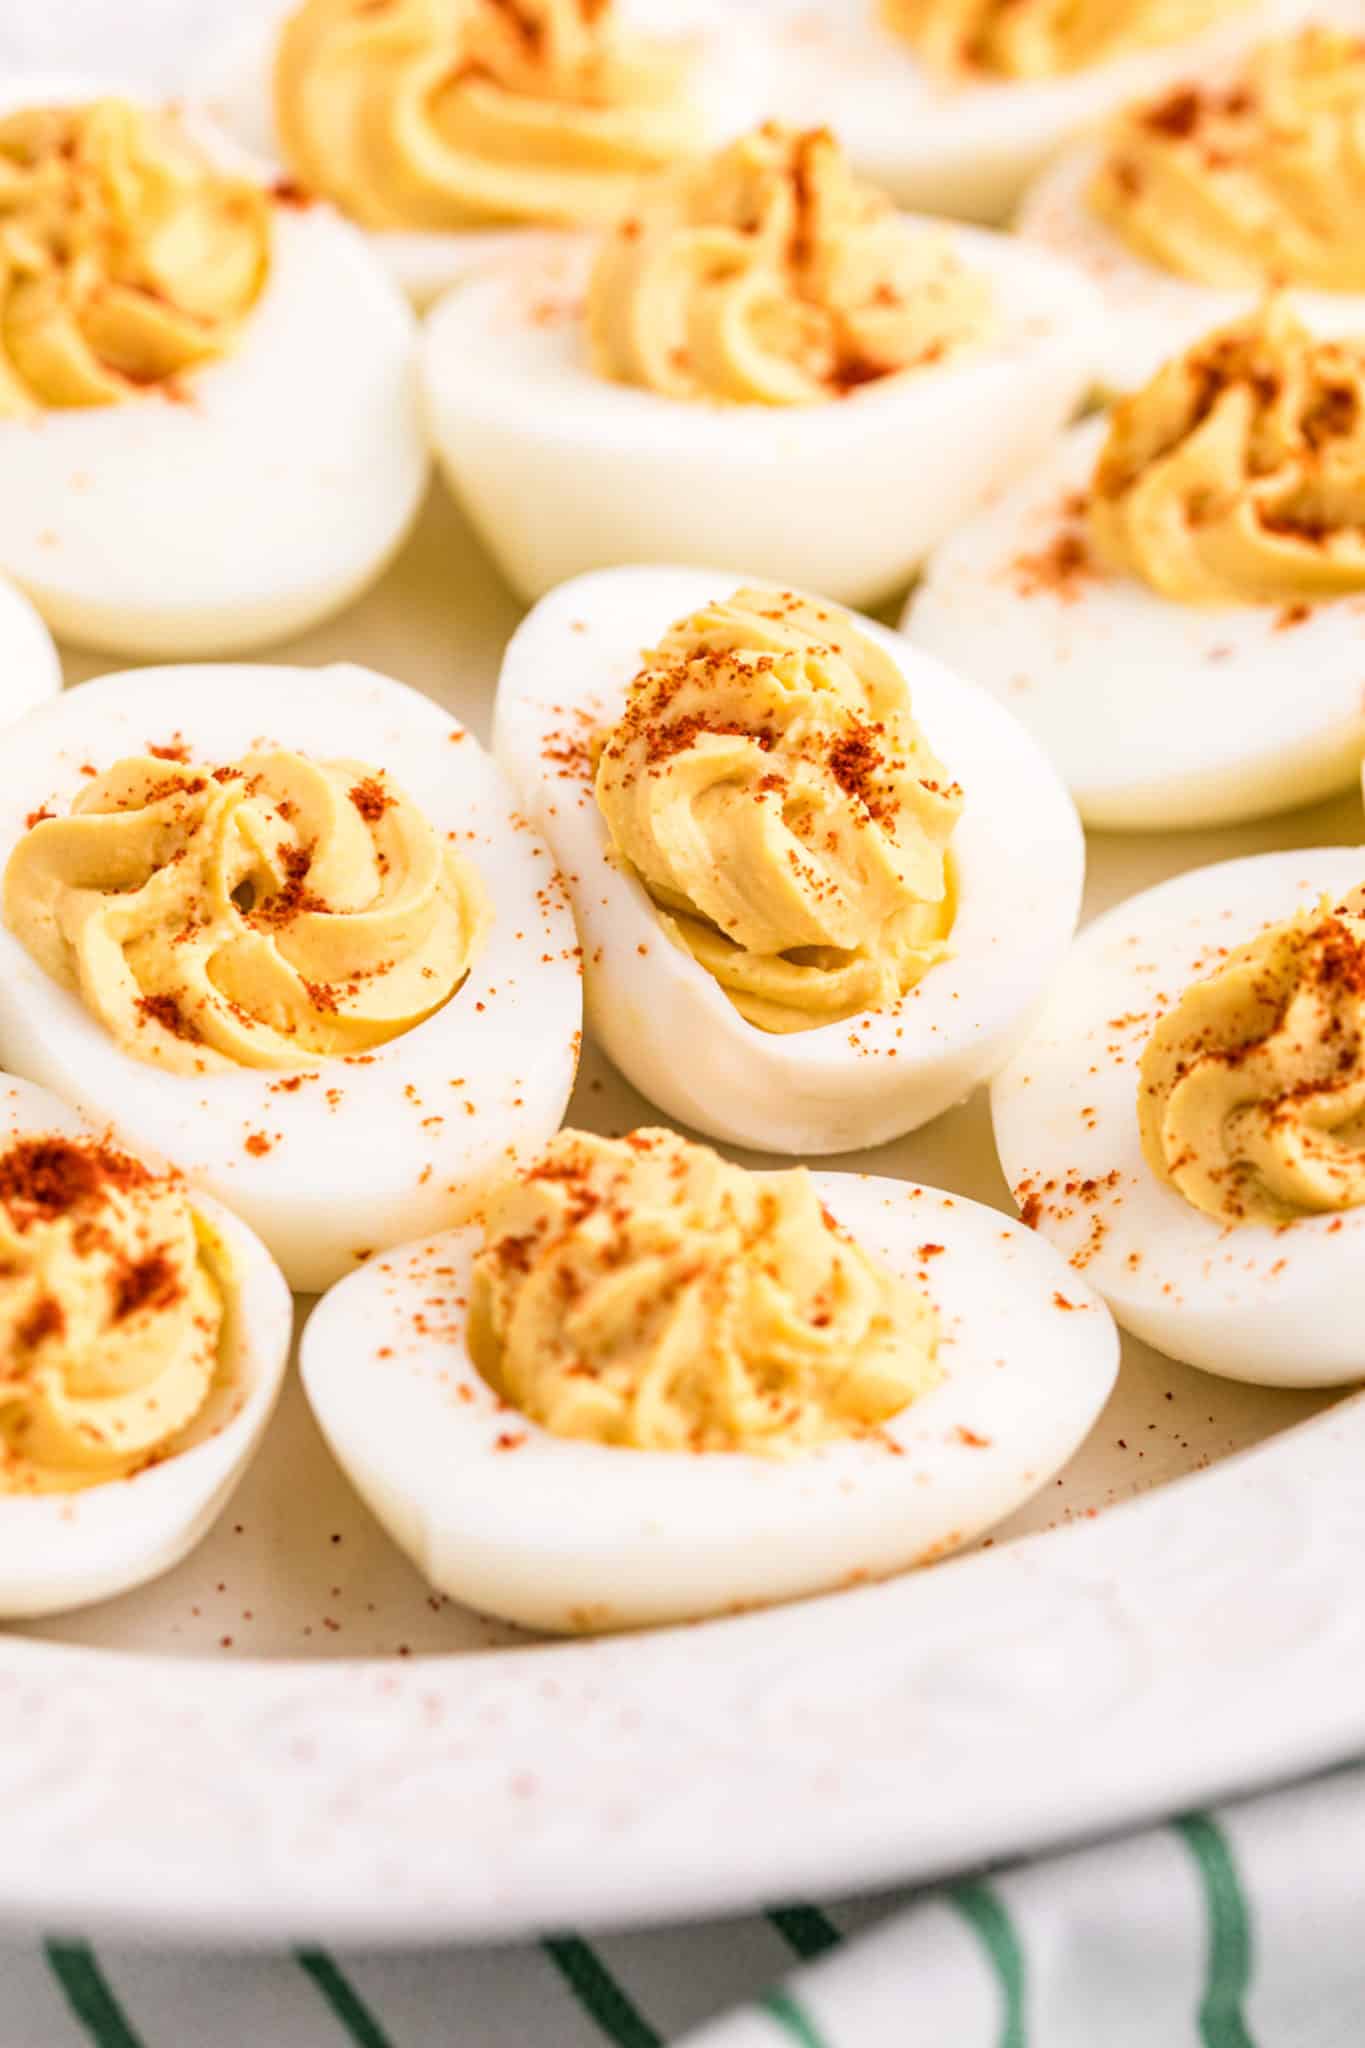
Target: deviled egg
<point>763,366</point>
<point>449,127</point>
<point>1173,601</point>
<point>1185,1123</point>
<point>1204,197</point>
<point>143,1339</point>
<point>30,670</point>
<point>284,928</point>
<point>954,105</point>
<point>656,1387</point>
<point>821,884</point>
<point>210,430</point>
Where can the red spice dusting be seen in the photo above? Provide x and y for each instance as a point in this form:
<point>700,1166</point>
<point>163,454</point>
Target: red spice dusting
<point>174,749</point>
<point>166,1011</point>
<point>1059,568</point>
<point>44,1178</point>
<point>370,798</point>
<point>289,192</point>
<point>37,818</point>
<point>970,1437</point>
<point>258,1144</point>
<point>150,1283</point>
<point>45,1319</point>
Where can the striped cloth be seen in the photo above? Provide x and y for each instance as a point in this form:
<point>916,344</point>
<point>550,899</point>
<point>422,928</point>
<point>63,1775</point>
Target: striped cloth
<point>1241,1929</point>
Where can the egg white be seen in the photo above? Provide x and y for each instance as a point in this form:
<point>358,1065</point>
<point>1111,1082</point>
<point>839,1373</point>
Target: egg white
<point>265,496</point>
<point>1018,861</point>
<point>970,146</point>
<point>234,85</point>
<point>30,669</point>
<point>416,1126</point>
<point>563,471</point>
<point>64,1550</point>
<point>1151,314</point>
<point>1279,1306</point>
<point>1158,715</point>
<point>575,1537</point>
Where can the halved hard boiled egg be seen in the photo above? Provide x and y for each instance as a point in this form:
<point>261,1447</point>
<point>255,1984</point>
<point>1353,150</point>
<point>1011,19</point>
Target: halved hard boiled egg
<point>209,425</point>
<point>1204,197</point>
<point>979,948</point>
<point>563,470</point>
<point>966,139</point>
<point>563,1534</point>
<point>1208,1259</point>
<point>1159,714</point>
<point>294,937</point>
<point>97,1494</point>
<point>451,131</point>
<point>30,670</point>
<point>1151,313</point>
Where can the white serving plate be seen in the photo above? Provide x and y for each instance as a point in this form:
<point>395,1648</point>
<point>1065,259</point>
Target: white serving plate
<point>288,1738</point>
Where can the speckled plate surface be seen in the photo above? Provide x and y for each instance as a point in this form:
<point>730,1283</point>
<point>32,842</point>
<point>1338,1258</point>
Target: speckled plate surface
<point>289,1737</point>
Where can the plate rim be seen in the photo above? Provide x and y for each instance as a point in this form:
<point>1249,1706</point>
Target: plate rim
<point>1192,1643</point>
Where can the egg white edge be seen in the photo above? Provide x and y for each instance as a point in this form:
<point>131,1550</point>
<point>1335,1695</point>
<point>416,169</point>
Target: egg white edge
<point>835,1081</point>
<point>302,707</point>
<point>64,1550</point>
<point>1044,303</point>
<point>1275,1281</point>
<point>1293,762</point>
<point>1151,313</point>
<point>476,1493</point>
<point>169,626</point>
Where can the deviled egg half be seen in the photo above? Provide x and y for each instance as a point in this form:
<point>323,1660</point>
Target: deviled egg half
<point>210,430</point>
<point>144,1335</point>
<point>448,128</point>
<point>284,928</point>
<point>1173,602</point>
<point>1202,198</point>
<point>654,1387</point>
<point>30,669</point>
<point>762,366</point>
<point>821,884</point>
<point>1187,1122</point>
<point>954,105</point>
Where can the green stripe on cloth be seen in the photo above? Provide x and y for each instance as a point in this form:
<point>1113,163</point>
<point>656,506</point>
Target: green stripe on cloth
<point>806,1930</point>
<point>792,2018</point>
<point>599,1994</point>
<point>1227,1972</point>
<point>346,2004</point>
<point>87,1992</point>
<point>988,1919</point>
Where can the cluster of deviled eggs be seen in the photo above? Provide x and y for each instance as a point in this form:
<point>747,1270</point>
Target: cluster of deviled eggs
<point>304,969</point>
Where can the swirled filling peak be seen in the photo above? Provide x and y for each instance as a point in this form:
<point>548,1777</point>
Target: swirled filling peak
<point>768,274</point>
<point>443,114</point>
<point>640,1291</point>
<point>1260,181</point>
<point>126,258</point>
<point>1040,38</point>
<point>1237,475</point>
<point>1251,1100</point>
<point>768,784</point>
<point>262,914</point>
<point>111,1314</point>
